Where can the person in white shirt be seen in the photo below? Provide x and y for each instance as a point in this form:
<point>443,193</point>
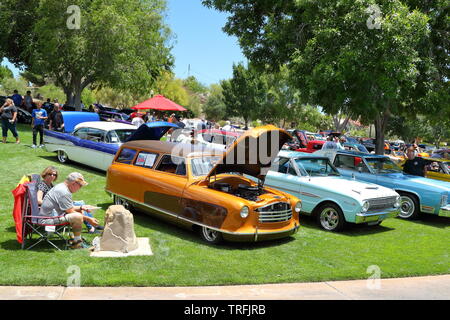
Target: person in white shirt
<point>137,121</point>
<point>227,126</point>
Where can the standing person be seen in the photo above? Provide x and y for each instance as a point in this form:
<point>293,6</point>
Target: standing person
<point>227,126</point>
<point>17,98</point>
<point>9,116</point>
<point>137,121</point>
<point>56,119</point>
<point>28,102</point>
<point>47,104</point>
<point>59,201</point>
<point>414,165</point>
<point>37,123</point>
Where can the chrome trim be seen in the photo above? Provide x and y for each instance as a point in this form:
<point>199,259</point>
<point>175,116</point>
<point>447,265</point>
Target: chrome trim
<point>194,222</point>
<point>372,217</point>
<point>376,204</point>
<point>274,216</point>
<point>307,194</point>
<point>444,211</point>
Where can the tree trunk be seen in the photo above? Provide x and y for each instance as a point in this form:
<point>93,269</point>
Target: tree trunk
<point>69,96</point>
<point>77,90</point>
<point>380,128</point>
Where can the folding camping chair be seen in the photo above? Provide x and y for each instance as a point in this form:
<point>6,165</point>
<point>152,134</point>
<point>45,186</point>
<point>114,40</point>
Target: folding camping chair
<point>31,222</point>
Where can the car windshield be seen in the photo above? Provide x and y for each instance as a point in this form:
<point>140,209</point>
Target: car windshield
<point>316,167</point>
<point>119,136</point>
<point>382,165</point>
<point>202,166</point>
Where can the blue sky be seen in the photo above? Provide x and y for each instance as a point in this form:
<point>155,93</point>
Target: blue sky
<point>199,42</point>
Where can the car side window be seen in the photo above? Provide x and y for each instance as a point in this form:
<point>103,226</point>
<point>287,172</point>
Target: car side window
<point>283,165</point>
<point>111,137</point>
<point>126,156</point>
<point>171,164</point>
<point>344,162</point>
<point>218,138</point>
<point>145,159</point>
<point>96,135</point>
<point>81,133</point>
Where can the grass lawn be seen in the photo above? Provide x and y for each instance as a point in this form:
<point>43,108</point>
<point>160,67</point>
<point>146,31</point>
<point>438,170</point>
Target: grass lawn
<point>400,248</point>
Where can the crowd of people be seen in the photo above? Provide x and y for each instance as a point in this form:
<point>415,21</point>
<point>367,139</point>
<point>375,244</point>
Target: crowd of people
<point>40,116</point>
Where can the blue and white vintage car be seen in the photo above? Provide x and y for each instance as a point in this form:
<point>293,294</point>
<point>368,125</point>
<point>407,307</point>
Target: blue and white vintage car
<point>418,194</point>
<point>94,142</point>
<point>325,194</point>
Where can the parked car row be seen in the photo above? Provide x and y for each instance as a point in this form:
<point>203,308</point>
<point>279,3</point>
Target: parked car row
<point>233,192</point>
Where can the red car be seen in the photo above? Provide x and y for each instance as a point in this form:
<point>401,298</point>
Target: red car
<point>312,146</point>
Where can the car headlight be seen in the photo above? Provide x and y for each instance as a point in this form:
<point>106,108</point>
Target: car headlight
<point>365,206</point>
<point>397,202</point>
<point>444,200</point>
<point>298,207</point>
<point>244,212</point>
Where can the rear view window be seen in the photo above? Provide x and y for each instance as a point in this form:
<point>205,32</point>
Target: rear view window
<point>145,159</point>
<point>126,156</point>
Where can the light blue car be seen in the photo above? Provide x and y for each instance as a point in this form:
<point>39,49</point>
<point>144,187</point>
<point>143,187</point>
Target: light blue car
<point>331,198</point>
<point>418,194</point>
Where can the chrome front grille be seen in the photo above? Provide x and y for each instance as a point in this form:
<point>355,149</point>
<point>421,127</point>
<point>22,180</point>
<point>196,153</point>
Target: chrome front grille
<point>275,212</point>
<point>381,203</point>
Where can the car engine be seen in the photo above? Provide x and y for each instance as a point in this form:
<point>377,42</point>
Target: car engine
<point>244,191</point>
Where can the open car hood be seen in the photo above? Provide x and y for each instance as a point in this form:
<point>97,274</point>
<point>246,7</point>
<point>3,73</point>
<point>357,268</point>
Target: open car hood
<point>253,152</point>
<point>152,131</point>
<point>72,118</point>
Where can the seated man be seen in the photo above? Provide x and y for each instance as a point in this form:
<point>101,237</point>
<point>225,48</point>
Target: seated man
<point>58,202</point>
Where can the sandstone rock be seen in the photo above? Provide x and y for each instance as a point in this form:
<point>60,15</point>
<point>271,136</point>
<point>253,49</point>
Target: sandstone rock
<point>118,234</point>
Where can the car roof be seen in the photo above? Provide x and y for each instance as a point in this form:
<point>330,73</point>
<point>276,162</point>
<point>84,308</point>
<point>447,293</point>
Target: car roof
<point>105,125</point>
<point>297,154</point>
<point>361,154</point>
<point>174,148</point>
<point>217,131</point>
<point>356,153</point>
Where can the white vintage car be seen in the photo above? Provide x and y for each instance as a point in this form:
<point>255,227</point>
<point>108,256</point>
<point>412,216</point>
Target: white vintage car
<point>95,143</point>
<point>325,194</point>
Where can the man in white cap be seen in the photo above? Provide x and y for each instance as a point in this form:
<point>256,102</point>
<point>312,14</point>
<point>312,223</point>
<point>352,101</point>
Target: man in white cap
<point>58,203</point>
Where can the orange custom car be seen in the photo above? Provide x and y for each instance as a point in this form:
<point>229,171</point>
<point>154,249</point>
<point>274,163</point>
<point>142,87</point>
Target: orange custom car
<point>205,189</point>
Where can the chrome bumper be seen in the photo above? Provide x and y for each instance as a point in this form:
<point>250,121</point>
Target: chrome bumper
<point>374,217</point>
<point>444,211</point>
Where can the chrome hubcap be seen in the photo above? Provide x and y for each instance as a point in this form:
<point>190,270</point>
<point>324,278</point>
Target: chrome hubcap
<point>209,234</point>
<point>407,207</point>
<point>329,218</point>
<point>62,157</point>
<point>121,202</point>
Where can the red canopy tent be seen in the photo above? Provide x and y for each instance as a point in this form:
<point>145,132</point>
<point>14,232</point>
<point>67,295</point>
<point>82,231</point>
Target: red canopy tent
<point>159,102</point>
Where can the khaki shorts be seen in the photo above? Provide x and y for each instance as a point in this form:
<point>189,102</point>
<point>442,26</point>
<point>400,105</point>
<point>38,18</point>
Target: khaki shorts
<point>69,217</point>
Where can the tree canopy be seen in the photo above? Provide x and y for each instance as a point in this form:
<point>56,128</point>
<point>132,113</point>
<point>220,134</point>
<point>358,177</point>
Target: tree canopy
<point>366,59</point>
<point>119,43</point>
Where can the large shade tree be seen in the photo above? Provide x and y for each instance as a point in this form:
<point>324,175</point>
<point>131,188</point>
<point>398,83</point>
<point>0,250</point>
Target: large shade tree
<point>346,56</point>
<point>119,43</point>
<point>244,94</point>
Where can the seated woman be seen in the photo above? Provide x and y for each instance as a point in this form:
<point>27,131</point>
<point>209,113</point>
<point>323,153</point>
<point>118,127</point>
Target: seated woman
<point>49,175</point>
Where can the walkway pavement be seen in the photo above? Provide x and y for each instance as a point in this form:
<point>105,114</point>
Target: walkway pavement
<point>420,288</point>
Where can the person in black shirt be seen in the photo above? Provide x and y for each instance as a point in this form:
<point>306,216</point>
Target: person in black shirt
<point>56,119</point>
<point>414,165</point>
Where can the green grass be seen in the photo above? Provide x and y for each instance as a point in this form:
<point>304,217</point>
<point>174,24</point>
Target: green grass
<point>400,248</point>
